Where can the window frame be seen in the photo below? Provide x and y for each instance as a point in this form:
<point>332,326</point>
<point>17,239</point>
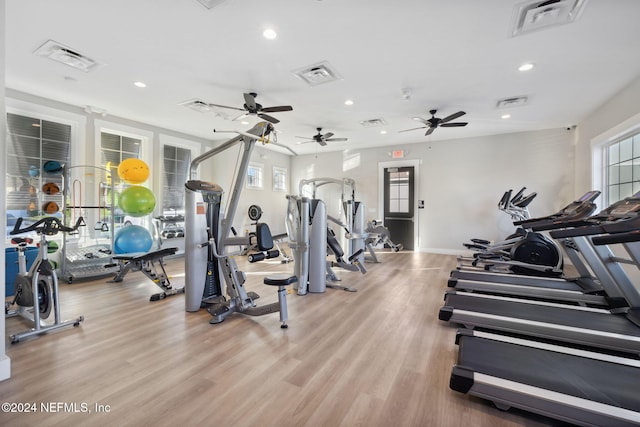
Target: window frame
<point>625,186</point>
<point>260,184</point>
<point>280,171</point>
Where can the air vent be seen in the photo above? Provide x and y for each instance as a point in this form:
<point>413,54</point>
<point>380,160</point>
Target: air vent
<point>210,4</point>
<point>197,105</point>
<point>373,123</point>
<point>317,74</point>
<point>66,55</point>
<point>535,15</point>
<point>515,101</point>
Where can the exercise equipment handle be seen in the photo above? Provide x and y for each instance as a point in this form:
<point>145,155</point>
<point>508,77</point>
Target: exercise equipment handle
<point>48,226</point>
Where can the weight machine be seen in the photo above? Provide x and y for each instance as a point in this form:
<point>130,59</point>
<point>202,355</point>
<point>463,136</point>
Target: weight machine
<point>208,262</point>
<point>310,237</point>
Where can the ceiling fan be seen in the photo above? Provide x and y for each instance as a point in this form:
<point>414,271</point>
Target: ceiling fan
<point>434,122</point>
<point>320,138</point>
<point>252,107</point>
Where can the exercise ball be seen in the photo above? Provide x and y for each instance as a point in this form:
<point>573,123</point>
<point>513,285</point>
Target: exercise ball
<point>33,171</point>
<point>52,247</point>
<point>50,188</point>
<point>52,166</point>
<point>133,171</point>
<point>50,208</point>
<point>132,238</point>
<point>137,201</point>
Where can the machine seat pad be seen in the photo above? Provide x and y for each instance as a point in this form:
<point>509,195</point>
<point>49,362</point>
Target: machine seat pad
<point>280,280</point>
<point>146,256</point>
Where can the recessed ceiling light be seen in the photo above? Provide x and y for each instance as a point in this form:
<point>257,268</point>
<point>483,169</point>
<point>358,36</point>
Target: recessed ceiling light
<point>383,132</point>
<point>505,116</point>
<point>348,102</point>
<point>269,34</point>
<point>140,84</point>
<point>526,67</point>
<point>244,122</point>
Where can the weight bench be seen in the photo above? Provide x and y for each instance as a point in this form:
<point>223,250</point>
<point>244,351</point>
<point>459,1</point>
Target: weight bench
<point>146,262</point>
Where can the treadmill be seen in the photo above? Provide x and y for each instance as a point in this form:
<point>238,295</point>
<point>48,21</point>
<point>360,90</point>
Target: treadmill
<point>585,387</point>
<point>583,290</point>
<point>615,329</point>
<point>573,385</point>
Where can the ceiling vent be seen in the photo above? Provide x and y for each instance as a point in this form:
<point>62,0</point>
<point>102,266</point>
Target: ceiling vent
<point>317,74</point>
<point>210,4</point>
<point>514,101</point>
<point>197,105</point>
<point>65,55</point>
<point>373,123</point>
<point>534,15</point>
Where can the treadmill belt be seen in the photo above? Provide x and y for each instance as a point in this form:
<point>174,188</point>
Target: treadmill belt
<point>615,323</point>
<point>599,381</point>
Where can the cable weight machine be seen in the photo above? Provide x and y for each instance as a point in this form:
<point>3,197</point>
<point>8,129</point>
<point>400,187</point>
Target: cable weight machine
<point>208,236</point>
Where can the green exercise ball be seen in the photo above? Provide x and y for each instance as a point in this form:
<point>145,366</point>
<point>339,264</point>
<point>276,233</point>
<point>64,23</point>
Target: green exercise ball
<point>137,201</point>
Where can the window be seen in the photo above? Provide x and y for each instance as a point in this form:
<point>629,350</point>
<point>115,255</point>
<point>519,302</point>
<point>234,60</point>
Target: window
<point>115,148</point>
<point>176,167</point>
<point>623,168</point>
<point>399,192</point>
<point>31,142</point>
<point>255,176</point>
<point>279,179</point>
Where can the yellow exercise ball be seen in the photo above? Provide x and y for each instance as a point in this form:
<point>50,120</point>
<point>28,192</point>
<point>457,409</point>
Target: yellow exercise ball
<point>133,171</point>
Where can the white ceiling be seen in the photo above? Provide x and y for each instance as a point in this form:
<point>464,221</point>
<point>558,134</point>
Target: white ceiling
<point>446,55</point>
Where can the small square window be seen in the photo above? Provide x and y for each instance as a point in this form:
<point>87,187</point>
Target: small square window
<point>279,179</point>
<point>255,176</point>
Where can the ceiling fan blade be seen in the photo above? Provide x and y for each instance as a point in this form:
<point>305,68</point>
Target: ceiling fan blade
<point>421,120</point>
<point>336,139</point>
<point>452,117</point>
<point>268,118</point>
<point>225,106</point>
<point>249,101</point>
<point>327,135</point>
<point>453,125</point>
<point>277,109</point>
<point>305,137</point>
<point>430,131</point>
<point>322,143</point>
<point>407,130</point>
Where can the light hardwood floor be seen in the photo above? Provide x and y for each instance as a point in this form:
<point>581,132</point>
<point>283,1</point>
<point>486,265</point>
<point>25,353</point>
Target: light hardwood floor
<point>377,357</point>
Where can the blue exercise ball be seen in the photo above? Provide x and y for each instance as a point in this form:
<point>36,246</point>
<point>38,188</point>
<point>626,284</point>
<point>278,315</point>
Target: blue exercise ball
<point>132,238</point>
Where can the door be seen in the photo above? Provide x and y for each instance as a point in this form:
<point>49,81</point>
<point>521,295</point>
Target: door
<point>399,205</point>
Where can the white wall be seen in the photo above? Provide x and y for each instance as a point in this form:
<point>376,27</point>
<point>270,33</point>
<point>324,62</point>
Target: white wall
<point>618,115</point>
<point>221,169</point>
<point>462,180</point>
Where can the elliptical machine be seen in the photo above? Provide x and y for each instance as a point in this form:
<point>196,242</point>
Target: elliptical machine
<point>522,252</point>
<point>36,291</point>
<point>529,252</point>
